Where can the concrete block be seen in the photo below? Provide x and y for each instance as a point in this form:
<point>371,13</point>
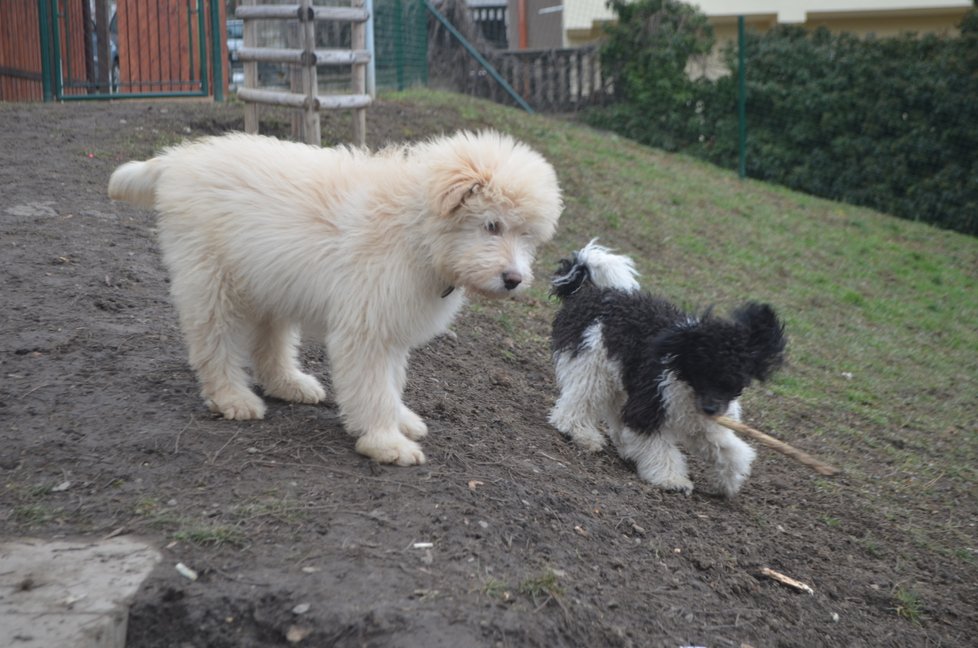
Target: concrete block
<point>70,593</point>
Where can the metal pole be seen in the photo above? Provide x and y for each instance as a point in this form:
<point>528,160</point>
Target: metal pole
<point>202,39</point>
<point>358,41</point>
<point>56,52</point>
<point>371,66</point>
<point>44,24</point>
<point>741,100</point>
<point>217,37</point>
<point>250,39</point>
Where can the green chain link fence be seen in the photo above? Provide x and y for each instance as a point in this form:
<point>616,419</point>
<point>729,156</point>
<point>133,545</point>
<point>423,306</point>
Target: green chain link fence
<point>401,43</point>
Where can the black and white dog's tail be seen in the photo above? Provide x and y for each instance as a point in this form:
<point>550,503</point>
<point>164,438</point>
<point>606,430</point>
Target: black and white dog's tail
<point>597,265</point>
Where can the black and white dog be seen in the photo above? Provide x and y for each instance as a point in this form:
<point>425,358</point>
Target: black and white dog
<point>652,375</point>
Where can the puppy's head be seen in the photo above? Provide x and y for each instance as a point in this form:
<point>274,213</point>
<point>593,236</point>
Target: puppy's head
<point>491,201</point>
<point>719,358</point>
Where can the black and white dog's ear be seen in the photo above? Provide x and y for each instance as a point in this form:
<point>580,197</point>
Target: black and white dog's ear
<point>570,276</point>
<point>765,335</point>
<point>669,344</point>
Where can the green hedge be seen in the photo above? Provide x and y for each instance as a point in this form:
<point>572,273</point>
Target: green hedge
<point>890,123</point>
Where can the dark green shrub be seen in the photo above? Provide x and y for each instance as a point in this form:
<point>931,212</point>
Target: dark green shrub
<point>887,123</point>
<point>645,56</point>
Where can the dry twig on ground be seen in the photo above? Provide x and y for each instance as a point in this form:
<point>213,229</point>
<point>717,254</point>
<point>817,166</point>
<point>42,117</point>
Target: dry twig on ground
<point>801,456</point>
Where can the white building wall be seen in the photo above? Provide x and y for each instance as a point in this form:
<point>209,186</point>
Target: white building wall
<point>581,15</point>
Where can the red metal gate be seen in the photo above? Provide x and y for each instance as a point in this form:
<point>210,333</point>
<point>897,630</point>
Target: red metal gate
<point>96,49</point>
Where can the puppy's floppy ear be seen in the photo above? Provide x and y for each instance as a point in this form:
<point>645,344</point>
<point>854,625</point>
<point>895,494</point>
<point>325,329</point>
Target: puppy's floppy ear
<point>765,337</point>
<point>668,344</point>
<point>456,195</point>
<point>455,178</point>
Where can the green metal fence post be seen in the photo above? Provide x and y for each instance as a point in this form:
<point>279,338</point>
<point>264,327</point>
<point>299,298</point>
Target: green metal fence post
<point>217,35</point>
<point>372,48</point>
<point>44,25</point>
<point>486,65</point>
<point>741,100</point>
<point>202,40</point>
<point>56,51</point>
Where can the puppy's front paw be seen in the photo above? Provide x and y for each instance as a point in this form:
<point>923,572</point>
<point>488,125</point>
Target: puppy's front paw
<point>299,388</point>
<point>411,425</point>
<point>733,466</point>
<point>676,484</point>
<point>728,484</point>
<point>239,406</point>
<point>390,448</point>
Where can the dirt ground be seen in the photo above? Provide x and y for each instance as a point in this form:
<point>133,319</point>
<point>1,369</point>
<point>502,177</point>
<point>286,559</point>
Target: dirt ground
<point>528,541</point>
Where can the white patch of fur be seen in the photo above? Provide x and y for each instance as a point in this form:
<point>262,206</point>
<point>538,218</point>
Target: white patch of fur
<point>590,385</point>
<point>265,239</point>
<point>608,270</point>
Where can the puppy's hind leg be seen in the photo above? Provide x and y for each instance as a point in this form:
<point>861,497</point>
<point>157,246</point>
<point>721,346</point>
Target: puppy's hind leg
<point>217,337</point>
<point>577,420</point>
<point>366,381</point>
<point>583,392</point>
<point>275,354</point>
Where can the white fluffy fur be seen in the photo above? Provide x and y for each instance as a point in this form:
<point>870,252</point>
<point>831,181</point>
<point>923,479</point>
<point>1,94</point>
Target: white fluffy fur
<point>265,239</point>
<point>607,268</point>
<point>591,399</point>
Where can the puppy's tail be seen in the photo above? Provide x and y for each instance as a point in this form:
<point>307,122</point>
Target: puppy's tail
<point>135,182</point>
<point>595,264</point>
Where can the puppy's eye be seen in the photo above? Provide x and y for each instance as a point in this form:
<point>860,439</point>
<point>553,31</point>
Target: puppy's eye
<point>494,227</point>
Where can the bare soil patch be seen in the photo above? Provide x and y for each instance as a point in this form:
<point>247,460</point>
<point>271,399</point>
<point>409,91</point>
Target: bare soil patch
<point>525,541</point>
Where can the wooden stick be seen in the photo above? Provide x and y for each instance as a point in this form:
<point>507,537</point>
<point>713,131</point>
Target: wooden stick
<point>801,456</point>
<point>787,580</point>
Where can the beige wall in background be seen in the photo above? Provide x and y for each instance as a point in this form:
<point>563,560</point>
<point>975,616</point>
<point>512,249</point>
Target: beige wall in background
<point>582,19</point>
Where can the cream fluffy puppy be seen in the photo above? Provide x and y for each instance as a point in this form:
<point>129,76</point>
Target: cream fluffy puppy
<point>372,253</point>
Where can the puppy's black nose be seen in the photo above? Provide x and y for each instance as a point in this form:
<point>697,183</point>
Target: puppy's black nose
<point>512,279</point>
<point>710,409</point>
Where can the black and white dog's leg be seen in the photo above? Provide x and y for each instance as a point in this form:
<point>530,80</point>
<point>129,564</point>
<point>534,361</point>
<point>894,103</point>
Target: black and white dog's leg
<point>657,458</point>
<point>728,456</point>
<point>588,381</point>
